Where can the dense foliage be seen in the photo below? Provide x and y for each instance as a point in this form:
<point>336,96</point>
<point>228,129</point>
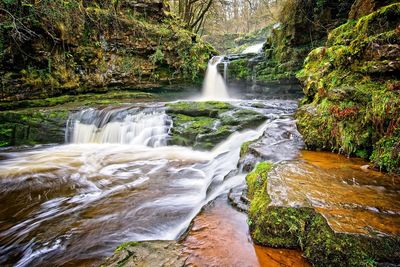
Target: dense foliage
<point>55,47</point>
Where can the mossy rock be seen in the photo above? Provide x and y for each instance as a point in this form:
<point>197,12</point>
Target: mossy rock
<point>79,100</point>
<point>205,124</point>
<point>279,216</point>
<point>208,108</point>
<point>32,127</point>
<point>147,253</point>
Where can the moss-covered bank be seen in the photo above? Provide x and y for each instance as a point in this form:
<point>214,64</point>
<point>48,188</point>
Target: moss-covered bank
<point>301,226</point>
<point>32,127</point>
<point>43,121</point>
<point>352,102</point>
<point>50,48</point>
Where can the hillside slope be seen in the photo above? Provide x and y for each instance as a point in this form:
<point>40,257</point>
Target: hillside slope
<point>59,47</point>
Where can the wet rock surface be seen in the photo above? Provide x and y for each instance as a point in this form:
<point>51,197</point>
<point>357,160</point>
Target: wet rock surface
<point>219,237</point>
<point>280,141</point>
<point>205,124</point>
<point>238,199</point>
<point>353,200</point>
<point>337,211</point>
<point>148,253</point>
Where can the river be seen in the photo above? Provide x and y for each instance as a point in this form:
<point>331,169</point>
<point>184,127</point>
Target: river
<point>115,179</point>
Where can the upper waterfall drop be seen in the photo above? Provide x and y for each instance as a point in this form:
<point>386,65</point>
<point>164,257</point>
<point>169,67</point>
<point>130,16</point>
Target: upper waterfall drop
<point>214,87</point>
<point>148,127</point>
<point>253,49</point>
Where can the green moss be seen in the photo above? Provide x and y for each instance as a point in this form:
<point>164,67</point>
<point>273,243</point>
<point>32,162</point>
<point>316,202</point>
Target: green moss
<point>244,148</point>
<point>349,106</point>
<point>244,118</point>
<point>111,97</point>
<point>240,70</point>
<point>304,228</point>
<point>386,154</point>
<point>208,108</point>
<point>32,127</point>
<point>257,178</point>
<point>205,124</point>
<point>126,245</point>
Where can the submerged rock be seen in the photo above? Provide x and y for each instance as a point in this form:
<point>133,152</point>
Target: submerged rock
<point>205,124</point>
<point>147,253</point>
<point>327,205</point>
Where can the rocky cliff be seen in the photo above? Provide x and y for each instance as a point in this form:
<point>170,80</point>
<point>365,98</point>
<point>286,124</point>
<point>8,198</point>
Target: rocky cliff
<point>352,88</point>
<point>302,26</point>
<point>50,48</point>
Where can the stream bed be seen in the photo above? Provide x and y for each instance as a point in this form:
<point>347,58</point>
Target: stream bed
<point>116,179</point>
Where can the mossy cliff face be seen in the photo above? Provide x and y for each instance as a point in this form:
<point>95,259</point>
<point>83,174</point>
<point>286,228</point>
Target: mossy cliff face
<point>284,214</point>
<point>205,124</point>
<point>59,47</point>
<point>352,89</point>
<point>302,26</point>
<point>32,127</point>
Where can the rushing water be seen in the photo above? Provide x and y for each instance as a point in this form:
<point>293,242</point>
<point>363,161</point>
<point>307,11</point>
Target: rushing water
<point>253,49</point>
<point>148,127</point>
<point>116,180</point>
<point>214,87</point>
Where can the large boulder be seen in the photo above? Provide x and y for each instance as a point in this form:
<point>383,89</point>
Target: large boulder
<point>336,211</point>
<point>205,124</point>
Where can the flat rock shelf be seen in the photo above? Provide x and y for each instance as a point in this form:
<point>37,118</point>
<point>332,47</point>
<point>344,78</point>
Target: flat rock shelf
<point>333,208</point>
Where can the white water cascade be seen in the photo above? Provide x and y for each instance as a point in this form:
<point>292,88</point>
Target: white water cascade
<point>119,126</point>
<point>115,181</point>
<point>254,49</point>
<point>214,87</point>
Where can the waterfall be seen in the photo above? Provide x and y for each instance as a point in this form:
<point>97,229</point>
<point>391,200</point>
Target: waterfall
<point>226,71</point>
<point>214,87</point>
<point>254,49</point>
<point>149,127</point>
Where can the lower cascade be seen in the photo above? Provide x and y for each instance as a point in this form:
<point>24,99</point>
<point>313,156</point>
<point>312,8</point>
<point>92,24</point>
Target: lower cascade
<point>214,87</point>
<point>147,127</point>
<point>115,180</point>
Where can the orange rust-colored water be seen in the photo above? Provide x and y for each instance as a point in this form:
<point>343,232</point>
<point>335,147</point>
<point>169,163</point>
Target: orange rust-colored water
<point>220,237</point>
<point>351,197</point>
